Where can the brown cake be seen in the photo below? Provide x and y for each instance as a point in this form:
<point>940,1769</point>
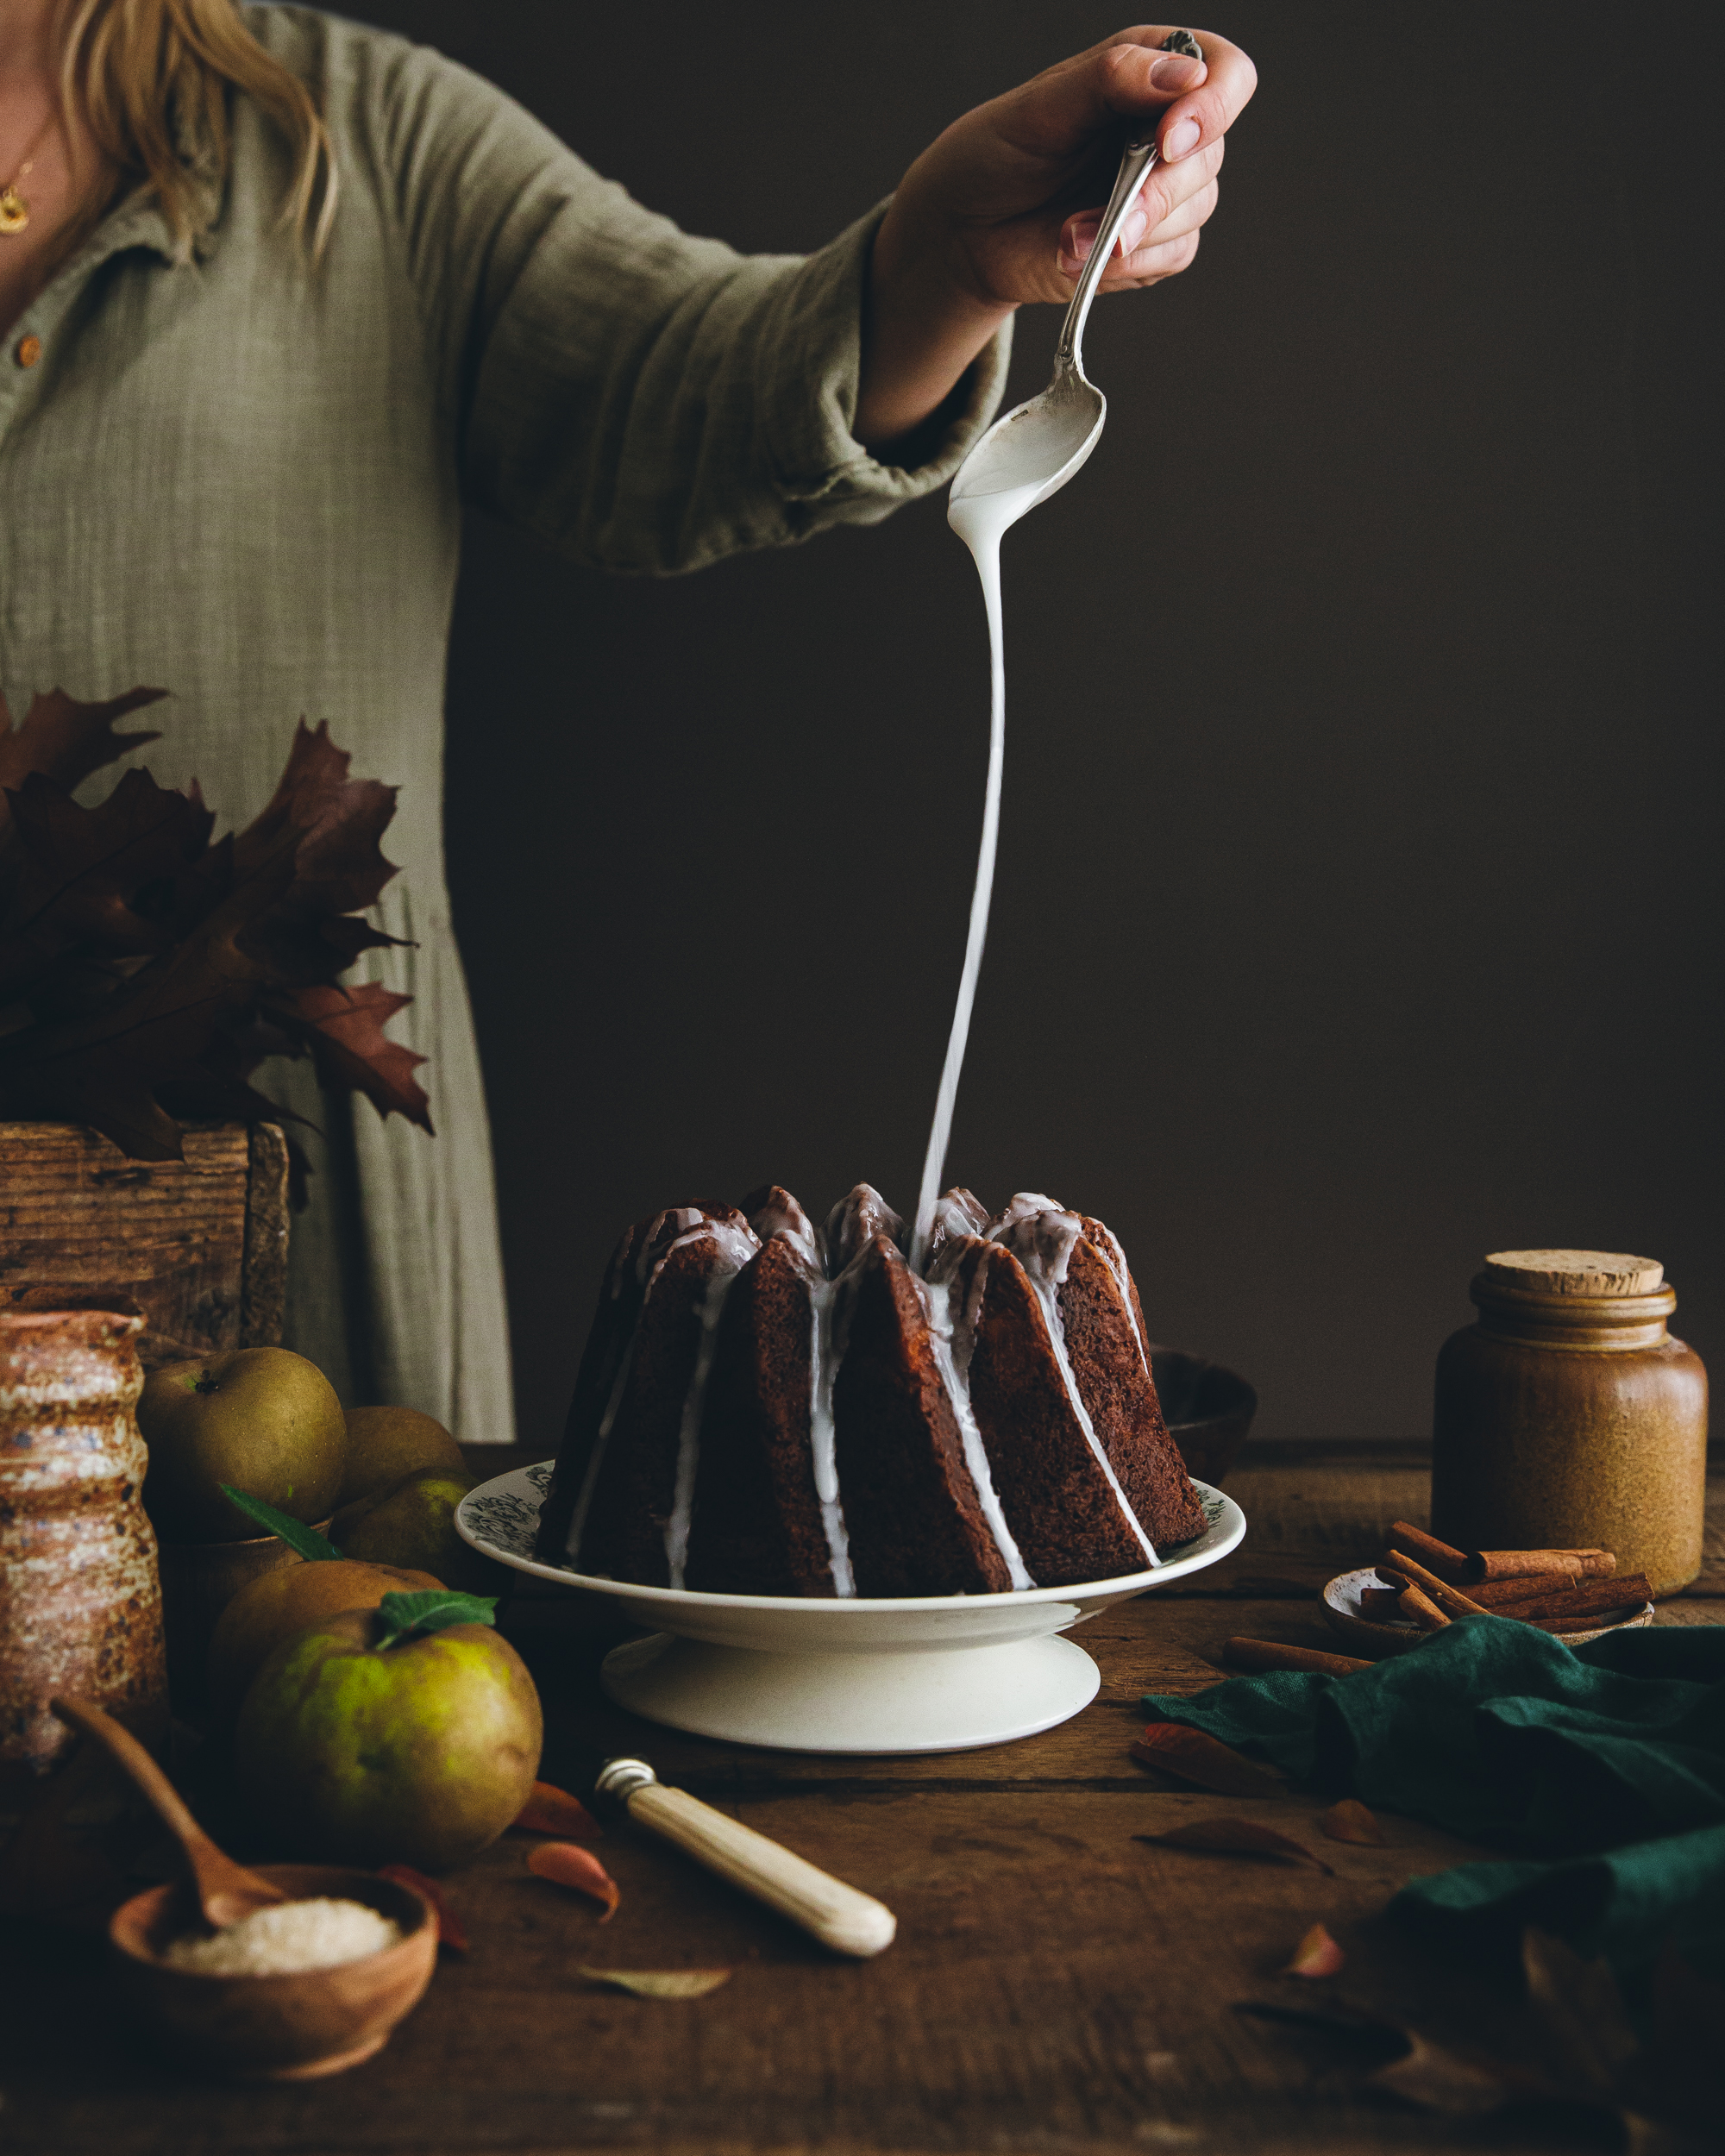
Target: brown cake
<point>763,1408</point>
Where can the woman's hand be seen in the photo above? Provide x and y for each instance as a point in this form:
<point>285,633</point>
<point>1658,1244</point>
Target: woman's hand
<point>1003,207</point>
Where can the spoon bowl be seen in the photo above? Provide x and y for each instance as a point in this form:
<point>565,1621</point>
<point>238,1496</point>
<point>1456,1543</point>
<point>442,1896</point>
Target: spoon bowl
<point>1036,447</point>
<point>294,2028</point>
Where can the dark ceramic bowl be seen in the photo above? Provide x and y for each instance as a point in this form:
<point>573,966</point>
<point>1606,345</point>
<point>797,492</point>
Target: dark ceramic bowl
<point>1208,1409</point>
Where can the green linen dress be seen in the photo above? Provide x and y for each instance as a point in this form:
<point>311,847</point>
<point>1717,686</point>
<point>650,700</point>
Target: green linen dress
<point>243,482</point>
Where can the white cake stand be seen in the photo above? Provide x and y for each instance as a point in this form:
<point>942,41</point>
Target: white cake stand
<point>925,1673</point>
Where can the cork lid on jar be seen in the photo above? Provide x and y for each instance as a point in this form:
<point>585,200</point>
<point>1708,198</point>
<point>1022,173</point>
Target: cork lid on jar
<point>1575,1272</point>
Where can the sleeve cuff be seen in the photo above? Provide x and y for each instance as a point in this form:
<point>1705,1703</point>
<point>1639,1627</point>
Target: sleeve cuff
<point>814,346</point>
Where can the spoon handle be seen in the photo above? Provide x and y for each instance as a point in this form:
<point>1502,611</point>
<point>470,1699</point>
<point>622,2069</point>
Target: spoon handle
<point>1135,165</point>
<point>213,1871</point>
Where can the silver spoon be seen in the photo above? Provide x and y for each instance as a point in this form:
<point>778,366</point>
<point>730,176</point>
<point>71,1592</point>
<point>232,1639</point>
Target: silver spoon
<point>1044,441</point>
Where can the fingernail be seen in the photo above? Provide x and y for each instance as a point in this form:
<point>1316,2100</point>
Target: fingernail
<point>1081,241</point>
<point>1179,140</point>
<point>1132,232</point>
<point>1176,70</point>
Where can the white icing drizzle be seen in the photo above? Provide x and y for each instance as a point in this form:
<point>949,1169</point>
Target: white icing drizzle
<point>734,1247</point>
<point>857,1217</point>
<point>1041,1236</point>
<point>1116,1259</point>
<point>952,1344</point>
<point>980,521</point>
<point>830,1316</point>
<point>693,1224</point>
<point>578,1518</point>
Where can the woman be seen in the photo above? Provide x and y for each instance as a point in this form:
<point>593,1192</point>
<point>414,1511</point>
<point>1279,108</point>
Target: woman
<point>281,293</point>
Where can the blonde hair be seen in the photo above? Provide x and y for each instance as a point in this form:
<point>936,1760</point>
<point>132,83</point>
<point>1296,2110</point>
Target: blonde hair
<point>150,80</point>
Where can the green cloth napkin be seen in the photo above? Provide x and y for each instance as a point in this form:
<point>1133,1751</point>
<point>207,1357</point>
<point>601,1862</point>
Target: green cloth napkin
<point>1602,1767</point>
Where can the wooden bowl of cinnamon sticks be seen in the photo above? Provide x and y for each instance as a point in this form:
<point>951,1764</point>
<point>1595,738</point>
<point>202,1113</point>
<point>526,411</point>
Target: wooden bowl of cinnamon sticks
<point>1421,1584</point>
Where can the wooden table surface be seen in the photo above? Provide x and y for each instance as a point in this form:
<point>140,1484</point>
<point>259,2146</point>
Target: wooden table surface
<point>1055,1986</point>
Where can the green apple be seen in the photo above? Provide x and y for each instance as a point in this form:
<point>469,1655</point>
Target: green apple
<point>417,1751</point>
<point>384,1444</point>
<point>263,1418</point>
<point>412,1523</point>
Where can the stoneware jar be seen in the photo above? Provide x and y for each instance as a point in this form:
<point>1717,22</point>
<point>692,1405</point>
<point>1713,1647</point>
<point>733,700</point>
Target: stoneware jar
<point>1568,1417</point>
<point>80,1605</point>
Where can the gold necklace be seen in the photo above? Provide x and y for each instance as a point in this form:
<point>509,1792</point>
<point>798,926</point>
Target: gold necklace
<point>14,209</point>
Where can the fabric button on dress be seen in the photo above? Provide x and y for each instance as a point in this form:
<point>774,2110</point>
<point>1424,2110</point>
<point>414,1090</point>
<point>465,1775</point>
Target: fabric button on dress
<point>28,352</point>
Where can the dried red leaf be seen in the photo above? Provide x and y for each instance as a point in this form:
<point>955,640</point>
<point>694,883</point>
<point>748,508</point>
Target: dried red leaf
<point>578,1868</point>
<point>352,1050</point>
<point>66,741</point>
<point>449,1932</point>
<point>660,1983</point>
<point>550,1810</point>
<point>1204,1760</point>
<point>147,973</point>
<point>1237,1838</point>
<point>1317,1955</point>
<point>1441,2077</point>
<point>1350,1820</point>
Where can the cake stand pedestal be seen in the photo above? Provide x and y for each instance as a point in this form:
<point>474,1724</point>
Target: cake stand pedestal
<point>929,1702</point>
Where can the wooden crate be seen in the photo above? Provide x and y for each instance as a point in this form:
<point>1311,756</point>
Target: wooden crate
<point>200,1244</point>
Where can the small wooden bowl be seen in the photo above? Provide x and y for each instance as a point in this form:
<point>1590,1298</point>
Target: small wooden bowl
<point>1368,1636</point>
<point>1208,1410</point>
<point>295,2027</point>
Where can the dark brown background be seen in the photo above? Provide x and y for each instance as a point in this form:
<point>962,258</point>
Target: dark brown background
<point>1358,882</point>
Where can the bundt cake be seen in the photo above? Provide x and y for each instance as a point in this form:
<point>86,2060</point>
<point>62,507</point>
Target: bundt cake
<point>766,1408</point>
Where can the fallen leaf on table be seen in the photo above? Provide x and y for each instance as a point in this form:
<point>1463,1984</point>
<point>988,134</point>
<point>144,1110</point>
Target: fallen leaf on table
<point>661,1984</point>
<point>1439,2077</point>
<point>550,1810</point>
<point>1350,1820</point>
<point>1317,1955</point>
<point>1212,1764</point>
<point>1581,2008</point>
<point>1237,1838</point>
<point>578,1868</point>
<point>449,1932</point>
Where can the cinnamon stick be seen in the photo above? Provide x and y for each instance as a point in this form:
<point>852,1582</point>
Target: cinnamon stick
<point>1413,1602</point>
<point>1585,1602</point>
<point>1450,1600</point>
<point>1502,1594</point>
<point>1271,1654</point>
<point>1447,1563</point>
<point>1380,1600</point>
<point>1513,1564</point>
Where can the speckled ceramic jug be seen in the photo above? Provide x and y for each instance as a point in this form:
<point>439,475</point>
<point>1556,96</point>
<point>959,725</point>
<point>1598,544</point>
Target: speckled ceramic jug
<point>80,1605</point>
<point>1568,1417</point>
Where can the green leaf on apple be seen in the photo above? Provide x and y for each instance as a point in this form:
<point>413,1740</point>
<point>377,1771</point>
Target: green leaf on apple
<point>417,1616</point>
<point>294,1532</point>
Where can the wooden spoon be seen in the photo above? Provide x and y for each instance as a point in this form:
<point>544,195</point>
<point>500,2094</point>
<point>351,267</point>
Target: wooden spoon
<point>226,1890</point>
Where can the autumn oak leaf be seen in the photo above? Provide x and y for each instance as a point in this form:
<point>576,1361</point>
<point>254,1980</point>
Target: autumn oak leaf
<point>352,1050</point>
<point>66,741</point>
<point>145,973</point>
